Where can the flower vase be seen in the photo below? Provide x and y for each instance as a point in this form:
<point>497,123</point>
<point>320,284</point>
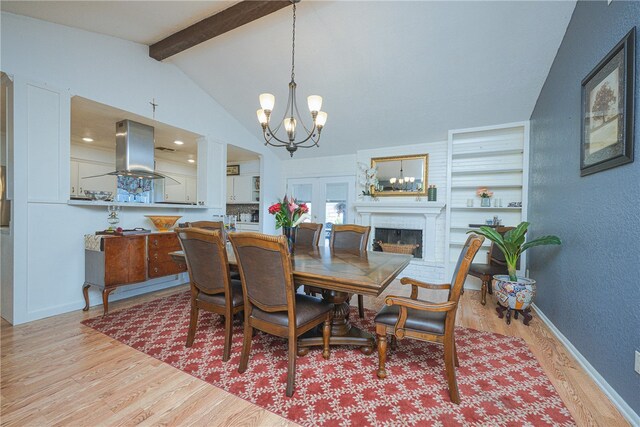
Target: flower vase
<point>290,233</point>
<point>485,202</point>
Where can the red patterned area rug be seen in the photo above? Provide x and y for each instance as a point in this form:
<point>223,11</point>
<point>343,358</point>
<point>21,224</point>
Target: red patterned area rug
<point>500,381</point>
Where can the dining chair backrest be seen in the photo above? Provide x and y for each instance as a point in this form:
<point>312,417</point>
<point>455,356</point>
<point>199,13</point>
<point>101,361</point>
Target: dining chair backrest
<point>349,237</point>
<point>207,225</point>
<point>471,247</point>
<point>308,234</point>
<point>265,270</point>
<point>206,258</point>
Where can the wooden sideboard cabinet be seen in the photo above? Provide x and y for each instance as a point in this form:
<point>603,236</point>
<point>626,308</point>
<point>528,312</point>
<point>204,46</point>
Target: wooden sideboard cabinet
<point>125,260</point>
<point>160,263</point>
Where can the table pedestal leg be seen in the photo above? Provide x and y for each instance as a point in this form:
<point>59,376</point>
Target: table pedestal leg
<point>342,331</point>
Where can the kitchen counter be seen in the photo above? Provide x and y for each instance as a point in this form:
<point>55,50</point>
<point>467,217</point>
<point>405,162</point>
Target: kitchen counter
<point>135,205</point>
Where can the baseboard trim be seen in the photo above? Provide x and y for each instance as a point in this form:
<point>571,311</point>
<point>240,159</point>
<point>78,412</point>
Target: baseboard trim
<point>617,400</point>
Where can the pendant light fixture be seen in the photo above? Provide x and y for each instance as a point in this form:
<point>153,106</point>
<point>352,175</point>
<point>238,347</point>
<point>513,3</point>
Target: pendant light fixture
<point>292,121</point>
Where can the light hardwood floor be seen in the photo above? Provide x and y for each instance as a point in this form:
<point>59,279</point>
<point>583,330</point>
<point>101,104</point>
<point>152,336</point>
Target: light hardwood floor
<point>58,372</point>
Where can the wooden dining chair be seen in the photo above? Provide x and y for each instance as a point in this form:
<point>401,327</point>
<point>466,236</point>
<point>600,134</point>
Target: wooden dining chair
<point>213,225</point>
<point>212,288</point>
<point>496,264</point>
<point>411,317</point>
<point>270,301</point>
<point>308,234</point>
<point>351,237</point>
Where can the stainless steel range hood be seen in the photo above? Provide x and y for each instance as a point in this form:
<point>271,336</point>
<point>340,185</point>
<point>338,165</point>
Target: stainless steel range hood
<point>134,152</point>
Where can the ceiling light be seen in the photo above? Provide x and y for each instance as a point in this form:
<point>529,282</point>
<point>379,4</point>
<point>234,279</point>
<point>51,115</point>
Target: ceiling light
<point>87,139</point>
<point>191,161</point>
<point>291,118</point>
<point>177,142</point>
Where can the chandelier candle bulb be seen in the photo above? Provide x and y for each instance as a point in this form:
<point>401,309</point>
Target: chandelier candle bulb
<point>315,103</point>
<point>267,101</point>
<point>321,119</point>
<point>262,117</point>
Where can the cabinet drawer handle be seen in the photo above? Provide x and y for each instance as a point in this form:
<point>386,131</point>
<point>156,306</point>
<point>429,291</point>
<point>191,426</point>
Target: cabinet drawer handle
<point>73,190</point>
<point>155,243</point>
<point>155,270</point>
<point>155,256</point>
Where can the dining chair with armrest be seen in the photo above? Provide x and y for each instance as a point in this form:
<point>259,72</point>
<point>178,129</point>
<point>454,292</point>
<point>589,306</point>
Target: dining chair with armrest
<point>213,225</point>
<point>270,301</point>
<point>496,264</point>
<point>411,317</point>
<point>351,237</point>
<point>212,288</point>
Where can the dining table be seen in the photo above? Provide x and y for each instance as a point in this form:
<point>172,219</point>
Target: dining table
<point>340,274</point>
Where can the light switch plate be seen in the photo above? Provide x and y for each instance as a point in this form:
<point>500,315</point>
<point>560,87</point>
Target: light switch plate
<point>637,365</point>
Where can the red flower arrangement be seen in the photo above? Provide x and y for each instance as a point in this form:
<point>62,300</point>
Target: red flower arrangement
<point>288,212</point>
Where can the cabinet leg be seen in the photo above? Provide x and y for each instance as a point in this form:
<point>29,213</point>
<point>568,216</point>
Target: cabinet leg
<point>105,300</point>
<point>85,292</point>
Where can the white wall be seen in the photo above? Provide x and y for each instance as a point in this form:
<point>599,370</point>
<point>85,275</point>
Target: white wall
<point>49,63</point>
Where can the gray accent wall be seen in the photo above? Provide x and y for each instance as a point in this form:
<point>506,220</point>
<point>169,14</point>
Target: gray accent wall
<point>590,286</point>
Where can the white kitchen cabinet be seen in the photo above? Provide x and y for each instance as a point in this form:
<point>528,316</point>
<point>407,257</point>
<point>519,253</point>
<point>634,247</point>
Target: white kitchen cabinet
<point>175,191</point>
<point>230,189</point>
<point>191,189</point>
<point>239,189</point>
<point>73,188</point>
<point>99,183</point>
<point>248,226</point>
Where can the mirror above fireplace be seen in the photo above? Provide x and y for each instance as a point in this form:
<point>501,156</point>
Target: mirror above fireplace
<point>401,175</point>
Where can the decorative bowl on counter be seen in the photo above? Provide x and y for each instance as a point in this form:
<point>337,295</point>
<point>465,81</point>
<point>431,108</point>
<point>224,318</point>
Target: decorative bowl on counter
<point>163,222</point>
<point>98,195</point>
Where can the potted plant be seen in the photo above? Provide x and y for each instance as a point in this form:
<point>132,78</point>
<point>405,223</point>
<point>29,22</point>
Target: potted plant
<point>289,214</point>
<point>368,179</point>
<point>516,293</point>
<point>485,196</point>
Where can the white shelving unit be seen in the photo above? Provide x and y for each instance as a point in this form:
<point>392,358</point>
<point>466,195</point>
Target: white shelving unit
<point>495,157</point>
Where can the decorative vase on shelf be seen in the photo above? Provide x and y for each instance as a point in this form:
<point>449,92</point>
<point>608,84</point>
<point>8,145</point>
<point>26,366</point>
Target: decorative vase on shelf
<point>485,202</point>
<point>290,233</point>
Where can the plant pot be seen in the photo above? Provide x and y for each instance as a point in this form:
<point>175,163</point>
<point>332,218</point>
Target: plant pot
<point>516,295</point>
<point>485,202</point>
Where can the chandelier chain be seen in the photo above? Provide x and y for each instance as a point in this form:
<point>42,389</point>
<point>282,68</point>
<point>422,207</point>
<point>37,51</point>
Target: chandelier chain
<point>293,48</point>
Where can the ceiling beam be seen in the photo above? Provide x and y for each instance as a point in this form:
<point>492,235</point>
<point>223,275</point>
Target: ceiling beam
<point>230,18</point>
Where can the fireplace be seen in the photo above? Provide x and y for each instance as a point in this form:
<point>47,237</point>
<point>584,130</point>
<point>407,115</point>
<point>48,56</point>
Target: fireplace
<point>398,240</point>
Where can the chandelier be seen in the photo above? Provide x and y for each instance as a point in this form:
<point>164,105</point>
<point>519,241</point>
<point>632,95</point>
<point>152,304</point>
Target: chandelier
<point>292,119</point>
<point>404,183</point>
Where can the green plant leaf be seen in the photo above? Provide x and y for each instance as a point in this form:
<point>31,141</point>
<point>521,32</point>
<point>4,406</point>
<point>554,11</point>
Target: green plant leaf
<point>492,235</point>
<point>540,241</point>
<point>516,234</point>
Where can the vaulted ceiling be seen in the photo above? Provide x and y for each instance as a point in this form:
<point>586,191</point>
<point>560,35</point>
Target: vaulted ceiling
<point>390,73</point>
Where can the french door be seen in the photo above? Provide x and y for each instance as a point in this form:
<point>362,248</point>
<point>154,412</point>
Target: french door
<point>329,199</point>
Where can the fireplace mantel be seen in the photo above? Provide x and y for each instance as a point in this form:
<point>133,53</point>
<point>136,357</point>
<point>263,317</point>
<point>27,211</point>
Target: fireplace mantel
<point>420,208</point>
<point>417,215</point>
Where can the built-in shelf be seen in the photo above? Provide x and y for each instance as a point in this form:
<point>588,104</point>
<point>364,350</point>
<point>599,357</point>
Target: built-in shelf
<point>491,208</point>
<point>478,158</point>
<point>493,187</point>
<point>485,171</point>
<point>476,154</point>
<point>90,203</point>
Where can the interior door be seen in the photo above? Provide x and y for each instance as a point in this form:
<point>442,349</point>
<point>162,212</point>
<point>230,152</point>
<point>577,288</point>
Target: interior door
<point>329,199</point>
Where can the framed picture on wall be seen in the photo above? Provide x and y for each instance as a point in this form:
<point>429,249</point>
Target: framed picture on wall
<point>607,110</point>
<point>233,170</point>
